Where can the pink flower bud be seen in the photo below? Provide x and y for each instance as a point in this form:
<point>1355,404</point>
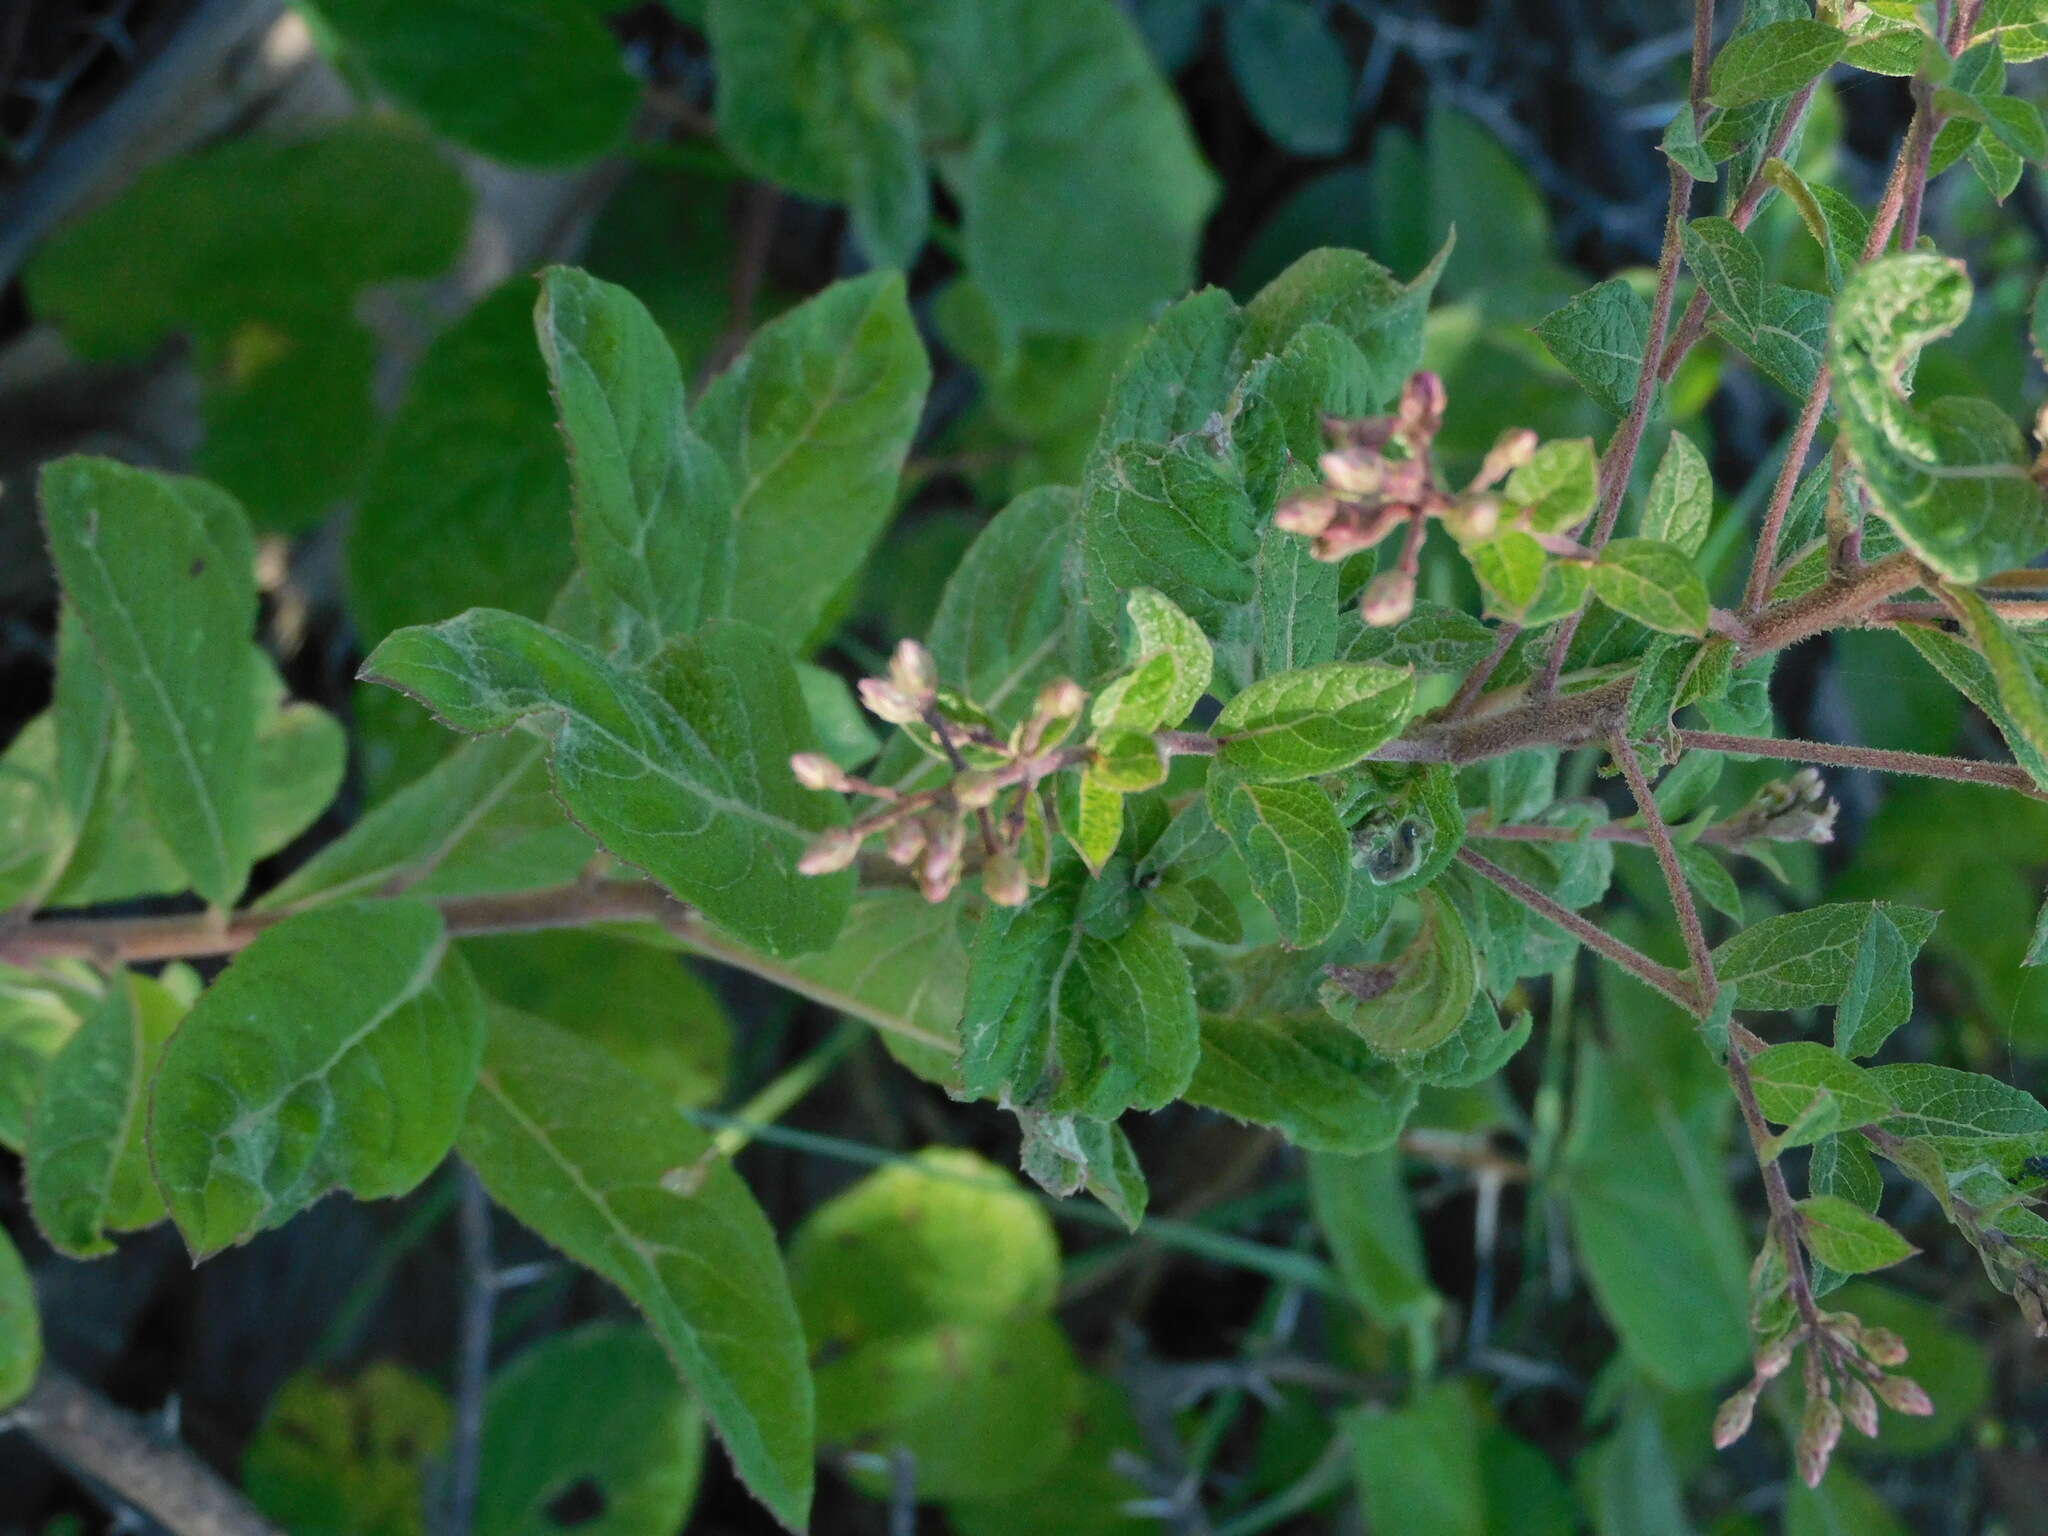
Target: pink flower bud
<point>1772,1360</point>
<point>1003,881</point>
<point>1389,598</point>
<point>1859,1407</point>
<point>1902,1394</point>
<point>906,842</point>
<point>974,791</point>
<point>1305,512</point>
<point>1883,1347</point>
<point>888,702</point>
<point>1421,411</point>
<point>1731,1422</point>
<point>1351,471</point>
<point>1820,1431</point>
<point>830,852</point>
<point>814,770</point>
<point>1061,696</point>
<point>913,670</point>
<point>1516,447</point>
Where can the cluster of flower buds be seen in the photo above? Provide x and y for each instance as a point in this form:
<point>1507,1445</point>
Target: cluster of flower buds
<point>989,801</point>
<point>1794,810</point>
<point>1379,475</point>
<point>1846,1365</point>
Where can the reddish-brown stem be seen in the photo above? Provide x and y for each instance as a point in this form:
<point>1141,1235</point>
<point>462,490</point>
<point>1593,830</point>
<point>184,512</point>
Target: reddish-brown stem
<point>1841,601</point>
<point>1610,832</point>
<point>2017,610</point>
<point>1758,590</point>
<point>1674,876</point>
<point>1923,765</point>
<point>1618,463</point>
<point>140,940</point>
<point>1604,944</point>
<point>1785,1220</point>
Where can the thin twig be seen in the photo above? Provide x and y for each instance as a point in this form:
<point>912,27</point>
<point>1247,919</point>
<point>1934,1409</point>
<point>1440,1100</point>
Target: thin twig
<point>1602,943</point>
<point>155,1474</point>
<point>1674,876</point>
<point>1923,765</point>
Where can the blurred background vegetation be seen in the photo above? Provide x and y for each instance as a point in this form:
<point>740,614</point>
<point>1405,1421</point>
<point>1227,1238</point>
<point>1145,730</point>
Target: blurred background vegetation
<point>291,249</point>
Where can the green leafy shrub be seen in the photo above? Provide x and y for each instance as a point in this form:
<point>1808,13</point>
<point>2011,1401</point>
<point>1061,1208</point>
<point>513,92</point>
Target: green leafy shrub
<point>1245,760</point>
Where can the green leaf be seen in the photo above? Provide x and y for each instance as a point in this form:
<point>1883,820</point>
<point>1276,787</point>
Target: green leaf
<point>281,230</point>
<point>1599,337</point>
<point>1653,1222</point>
<point>1175,518</point>
<point>1804,959</point>
<point>1084,1493</point>
<point>1791,1077</point>
<point>1305,1075</point>
<point>1556,489</point>
<point>1846,1237</point>
<point>1417,999</point>
<point>1681,145</point>
<point>1970,675</point>
<point>482,820</point>
<point>2021,689</point>
<point>1653,583</point>
<point>1511,566</point>
<point>343,1457</point>
<point>1314,720</point>
<point>1358,298</point>
<point>529,82</point>
<point>1294,848</point>
<point>1368,1222</point>
<point>21,1333</point>
<point>1478,1049</point>
<point>900,963</point>
<point>1790,338</point>
<point>599,1164</point>
<point>38,1014</point>
<point>163,572</point>
<point>1127,762</point>
<point>1002,619</point>
<point>87,1168</point>
<point>1435,638</point>
<point>653,503</point>
<point>336,1052</point>
<point>638,1445</point>
<point>1060,1018</point>
<point>1959,1113</point>
<point>1440,1466</point>
<point>465,502</point>
<point>1092,817</point>
<point>1159,628</point>
<point>1772,61</point>
<point>682,770</point>
<point>1293,73</point>
<point>1729,267</point>
<point>1880,993</point>
<point>634,1000</point>
<point>813,422</point>
<point>1953,478</point>
<point>1065,1153</point>
<point>1681,505</point>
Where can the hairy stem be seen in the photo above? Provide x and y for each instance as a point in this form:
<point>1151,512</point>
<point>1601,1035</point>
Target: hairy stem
<point>146,1469</point>
<point>1924,765</point>
<point>1674,876</point>
<point>1604,944</point>
<point>138,940</point>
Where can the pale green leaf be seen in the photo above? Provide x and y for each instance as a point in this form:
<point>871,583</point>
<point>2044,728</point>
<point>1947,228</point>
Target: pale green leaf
<point>813,422</point>
<point>1556,489</point>
<point>1729,267</point>
<point>1358,298</point>
<point>1159,627</point>
<point>653,503</point>
<point>1880,993</point>
<point>1844,1236</point>
<point>1960,1113</point>
<point>1368,1223</point>
<point>1681,504</point>
<point>682,770</point>
<point>336,1052</point>
<point>1308,1077</point>
<point>1599,337</point>
<point>1804,959</point>
<point>1790,1078</point>
<point>88,1170</point>
<point>348,1457</point>
<point>1772,61</point>
<point>1314,720</point>
<point>1294,848</point>
<point>600,1165</point>
<point>638,1444</point>
<point>1790,339</point>
<point>1175,518</point>
<point>1953,478</point>
<point>162,571</point>
<point>1653,583</point>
